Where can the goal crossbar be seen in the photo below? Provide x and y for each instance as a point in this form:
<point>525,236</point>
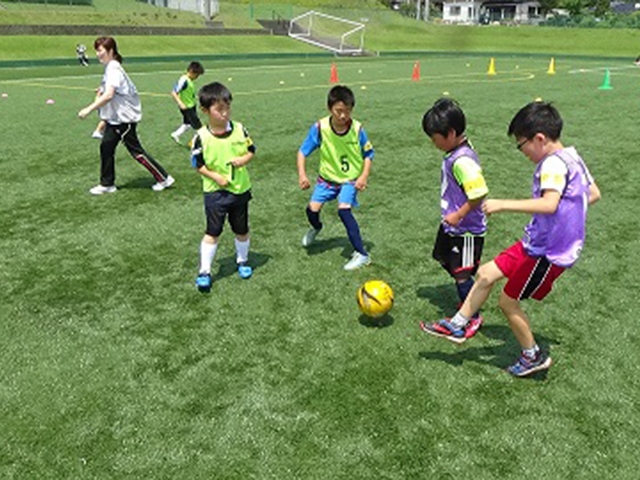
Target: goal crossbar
<point>301,28</point>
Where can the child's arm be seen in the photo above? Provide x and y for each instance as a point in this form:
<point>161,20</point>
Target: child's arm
<point>310,144</point>
<point>366,149</point>
<point>454,218</point>
<point>180,103</point>
<point>303,180</point>
<point>361,181</point>
<point>215,176</point>
<point>101,100</point>
<point>197,162</point>
<point>594,193</point>
<point>547,204</point>
<point>242,161</point>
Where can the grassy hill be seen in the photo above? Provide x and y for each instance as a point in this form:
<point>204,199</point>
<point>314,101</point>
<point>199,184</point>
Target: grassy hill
<point>386,31</point>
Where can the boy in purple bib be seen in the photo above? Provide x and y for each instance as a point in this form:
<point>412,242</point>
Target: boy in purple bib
<point>562,190</point>
<point>460,239</point>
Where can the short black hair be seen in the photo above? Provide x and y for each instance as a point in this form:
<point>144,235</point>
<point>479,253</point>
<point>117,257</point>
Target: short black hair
<point>213,93</point>
<point>195,67</point>
<point>341,93</point>
<point>445,115</point>
<point>536,117</point>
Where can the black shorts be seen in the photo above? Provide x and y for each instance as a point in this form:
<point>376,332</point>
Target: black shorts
<point>458,255</point>
<point>219,204</point>
<point>190,117</point>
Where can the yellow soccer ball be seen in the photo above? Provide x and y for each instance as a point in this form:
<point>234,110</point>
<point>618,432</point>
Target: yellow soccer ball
<point>375,298</point>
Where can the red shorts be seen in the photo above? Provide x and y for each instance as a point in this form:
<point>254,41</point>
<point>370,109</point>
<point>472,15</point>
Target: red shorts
<point>528,277</point>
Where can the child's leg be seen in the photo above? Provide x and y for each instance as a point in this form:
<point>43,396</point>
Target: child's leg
<point>239,221</point>
<point>313,214</point>
<point>488,275</point>
<point>208,248</point>
<point>460,327</point>
<point>518,321</point>
<point>351,225</point>
<point>181,129</point>
<point>464,284</point>
<point>243,242</point>
<point>532,358</point>
<point>99,130</point>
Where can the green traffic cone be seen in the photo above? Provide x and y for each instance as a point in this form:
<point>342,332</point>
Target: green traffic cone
<point>606,83</point>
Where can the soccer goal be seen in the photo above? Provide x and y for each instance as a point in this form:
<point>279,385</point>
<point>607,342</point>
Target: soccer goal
<point>326,31</point>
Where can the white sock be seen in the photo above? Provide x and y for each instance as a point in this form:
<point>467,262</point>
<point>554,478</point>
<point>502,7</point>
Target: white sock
<point>242,251</point>
<point>207,253</point>
<point>459,320</point>
<point>531,352</point>
<point>181,129</point>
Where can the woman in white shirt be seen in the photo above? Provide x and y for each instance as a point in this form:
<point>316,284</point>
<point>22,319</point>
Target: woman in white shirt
<point>120,108</point>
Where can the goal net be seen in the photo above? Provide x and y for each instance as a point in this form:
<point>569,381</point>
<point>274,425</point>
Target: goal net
<point>326,31</point>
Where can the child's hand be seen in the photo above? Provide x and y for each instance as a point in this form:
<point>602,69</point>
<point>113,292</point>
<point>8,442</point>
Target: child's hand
<point>452,219</point>
<point>220,179</point>
<point>361,183</point>
<point>303,182</point>
<point>491,206</point>
<point>236,162</point>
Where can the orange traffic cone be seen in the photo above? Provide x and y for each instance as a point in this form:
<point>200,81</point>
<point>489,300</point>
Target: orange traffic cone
<point>334,74</point>
<point>415,76</point>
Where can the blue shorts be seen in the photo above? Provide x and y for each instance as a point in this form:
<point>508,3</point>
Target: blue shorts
<point>345,192</point>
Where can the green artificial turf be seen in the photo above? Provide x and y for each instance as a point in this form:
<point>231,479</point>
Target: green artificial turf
<point>114,366</point>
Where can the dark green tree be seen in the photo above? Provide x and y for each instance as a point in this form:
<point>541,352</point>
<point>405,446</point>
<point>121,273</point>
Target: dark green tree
<point>547,5</point>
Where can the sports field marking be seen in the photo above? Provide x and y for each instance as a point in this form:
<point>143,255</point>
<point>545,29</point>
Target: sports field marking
<point>296,68</point>
<point>602,69</point>
<point>453,78</point>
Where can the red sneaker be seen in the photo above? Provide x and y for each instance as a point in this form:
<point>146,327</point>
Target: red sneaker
<point>473,326</point>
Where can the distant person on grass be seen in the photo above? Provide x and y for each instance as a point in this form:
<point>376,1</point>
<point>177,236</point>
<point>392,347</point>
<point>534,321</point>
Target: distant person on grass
<point>345,162</point>
<point>184,93</point>
<point>460,238</point>
<point>221,151</point>
<point>562,190</point>
<point>81,53</point>
<point>120,108</point>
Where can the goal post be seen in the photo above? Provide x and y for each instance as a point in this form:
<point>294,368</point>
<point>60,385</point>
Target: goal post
<point>326,31</point>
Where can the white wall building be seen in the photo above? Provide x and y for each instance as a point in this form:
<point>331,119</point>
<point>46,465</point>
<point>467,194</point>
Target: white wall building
<point>487,11</point>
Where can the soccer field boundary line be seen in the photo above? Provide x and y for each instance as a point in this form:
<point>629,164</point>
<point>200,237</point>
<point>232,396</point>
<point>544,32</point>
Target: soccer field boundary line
<point>455,78</point>
<point>601,69</point>
<point>180,71</point>
<point>316,65</point>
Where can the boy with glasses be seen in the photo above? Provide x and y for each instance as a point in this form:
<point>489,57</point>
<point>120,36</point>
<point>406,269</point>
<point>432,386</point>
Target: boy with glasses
<point>562,190</point>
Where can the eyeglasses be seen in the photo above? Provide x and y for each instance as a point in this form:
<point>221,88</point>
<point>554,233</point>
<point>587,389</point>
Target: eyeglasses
<point>522,144</point>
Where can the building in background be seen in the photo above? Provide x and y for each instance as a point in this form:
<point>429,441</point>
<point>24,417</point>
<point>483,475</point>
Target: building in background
<point>489,11</point>
<point>206,8</point>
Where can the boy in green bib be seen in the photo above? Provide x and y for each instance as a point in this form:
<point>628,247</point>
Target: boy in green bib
<point>184,93</point>
<point>221,151</point>
<point>345,163</point>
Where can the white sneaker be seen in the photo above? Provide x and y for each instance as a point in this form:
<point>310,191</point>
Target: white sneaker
<point>100,189</point>
<point>176,137</point>
<point>158,187</point>
<point>357,260</point>
<point>97,135</point>
<point>310,237</point>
